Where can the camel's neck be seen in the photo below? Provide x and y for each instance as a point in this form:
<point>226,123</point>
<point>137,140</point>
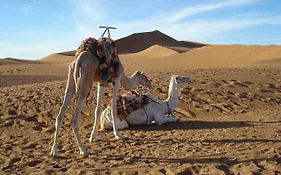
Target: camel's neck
<point>172,96</point>
<point>130,82</point>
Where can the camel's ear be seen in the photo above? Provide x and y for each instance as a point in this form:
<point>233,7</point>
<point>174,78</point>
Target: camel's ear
<point>176,78</point>
<point>141,72</point>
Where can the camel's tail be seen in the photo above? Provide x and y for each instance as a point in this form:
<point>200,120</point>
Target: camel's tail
<point>76,74</point>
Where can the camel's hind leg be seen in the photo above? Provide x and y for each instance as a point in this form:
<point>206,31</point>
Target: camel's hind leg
<point>85,84</point>
<point>69,92</point>
<point>100,97</point>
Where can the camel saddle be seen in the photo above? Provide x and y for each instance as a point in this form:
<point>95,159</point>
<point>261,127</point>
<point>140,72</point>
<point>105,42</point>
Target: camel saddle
<point>130,102</point>
<point>105,50</point>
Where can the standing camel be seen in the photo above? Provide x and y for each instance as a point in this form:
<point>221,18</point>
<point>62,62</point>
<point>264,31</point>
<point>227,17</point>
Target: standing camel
<point>89,67</point>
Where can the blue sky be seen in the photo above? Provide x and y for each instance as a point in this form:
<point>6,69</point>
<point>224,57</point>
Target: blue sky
<point>32,29</point>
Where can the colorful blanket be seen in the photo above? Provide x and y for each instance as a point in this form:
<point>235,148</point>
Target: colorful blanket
<point>130,102</point>
<point>106,51</point>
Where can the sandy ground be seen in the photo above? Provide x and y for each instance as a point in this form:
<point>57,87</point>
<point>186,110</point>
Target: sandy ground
<point>229,123</point>
<point>228,118</point>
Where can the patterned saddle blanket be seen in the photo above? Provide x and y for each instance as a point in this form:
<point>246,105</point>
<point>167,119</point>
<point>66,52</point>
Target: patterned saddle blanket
<point>106,51</point>
<point>130,102</point>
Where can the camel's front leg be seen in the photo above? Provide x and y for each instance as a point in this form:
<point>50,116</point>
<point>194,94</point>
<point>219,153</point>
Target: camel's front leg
<point>69,92</point>
<point>116,88</point>
<point>100,96</point>
<point>161,119</point>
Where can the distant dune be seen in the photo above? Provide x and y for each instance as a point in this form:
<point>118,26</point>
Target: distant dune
<point>140,41</point>
<point>68,53</point>
<point>191,44</point>
<point>273,63</point>
<point>146,49</point>
<point>218,56</point>
<point>134,43</point>
<point>57,58</point>
<point>224,56</point>
<point>154,51</point>
<point>7,61</point>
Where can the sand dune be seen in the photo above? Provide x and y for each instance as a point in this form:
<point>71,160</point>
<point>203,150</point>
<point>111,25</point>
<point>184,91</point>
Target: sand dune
<point>68,53</point>
<point>273,63</point>
<point>134,43</point>
<point>153,52</point>
<point>8,61</point>
<point>218,56</point>
<point>192,44</point>
<point>57,58</point>
<point>140,41</point>
<point>180,49</point>
<point>223,56</point>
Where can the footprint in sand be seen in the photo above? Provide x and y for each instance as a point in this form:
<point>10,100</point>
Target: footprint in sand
<point>8,123</point>
<point>50,130</point>
<point>11,163</point>
<point>30,146</point>
<point>242,95</point>
<point>12,112</point>
<point>246,168</point>
<point>217,85</point>
<point>265,90</point>
<point>30,118</point>
<point>37,128</point>
<point>34,163</point>
<point>248,83</point>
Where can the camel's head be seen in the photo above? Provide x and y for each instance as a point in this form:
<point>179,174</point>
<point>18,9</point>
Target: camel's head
<point>143,79</point>
<point>181,80</point>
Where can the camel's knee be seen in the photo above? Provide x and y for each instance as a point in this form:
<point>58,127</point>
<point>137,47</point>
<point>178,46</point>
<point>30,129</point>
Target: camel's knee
<point>74,124</point>
<point>98,112</point>
<point>59,121</point>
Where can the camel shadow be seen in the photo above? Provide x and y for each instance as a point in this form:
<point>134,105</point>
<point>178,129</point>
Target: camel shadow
<point>191,125</point>
<point>210,159</point>
<point>202,160</point>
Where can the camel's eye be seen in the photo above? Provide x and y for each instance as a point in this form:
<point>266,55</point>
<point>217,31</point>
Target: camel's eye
<point>179,79</point>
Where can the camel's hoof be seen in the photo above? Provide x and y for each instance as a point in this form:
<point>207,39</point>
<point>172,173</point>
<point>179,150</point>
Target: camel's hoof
<point>120,137</point>
<point>84,152</point>
<point>54,151</point>
<point>93,137</point>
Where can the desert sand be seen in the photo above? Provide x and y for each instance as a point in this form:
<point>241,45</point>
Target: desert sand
<point>228,117</point>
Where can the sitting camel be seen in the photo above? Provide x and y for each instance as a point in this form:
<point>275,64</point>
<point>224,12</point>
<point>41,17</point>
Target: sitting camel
<point>153,109</point>
<point>85,70</point>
